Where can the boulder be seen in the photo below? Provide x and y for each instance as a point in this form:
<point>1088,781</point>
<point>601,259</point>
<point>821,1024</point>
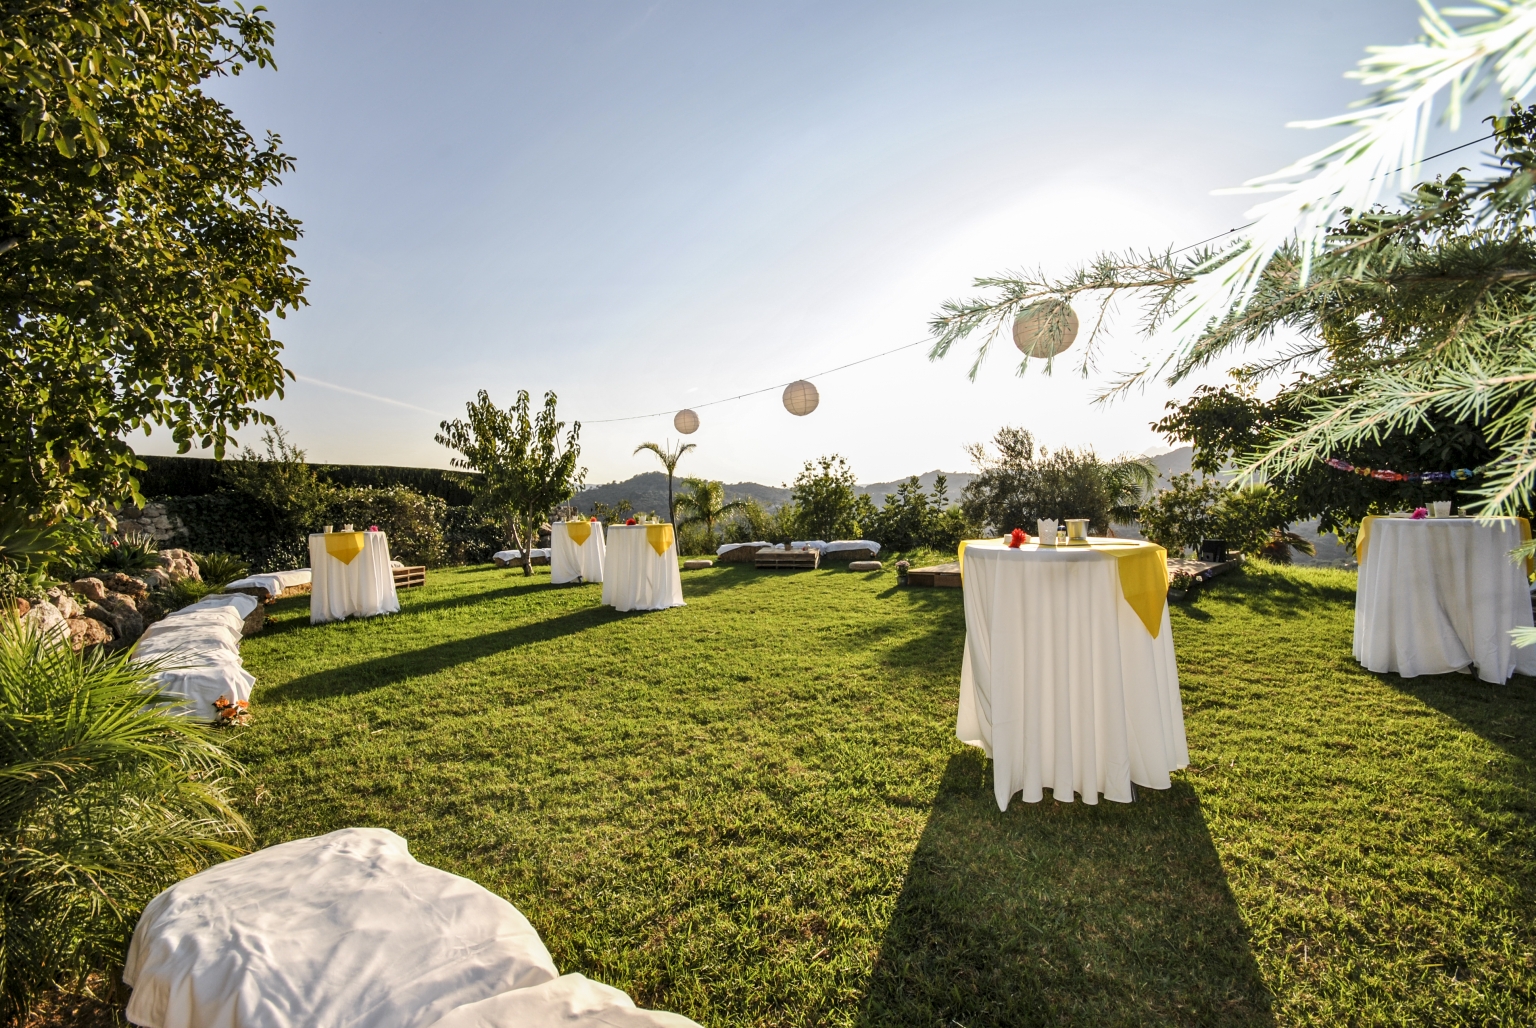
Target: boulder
<point>65,601</point>
<point>697,565</point>
<point>119,612</point>
<point>156,578</point>
<point>50,624</point>
<point>180,564</point>
<point>84,631</point>
<point>742,554</point>
<point>864,565</point>
<point>255,621</point>
<point>126,585</point>
<point>91,588</point>
<point>22,607</point>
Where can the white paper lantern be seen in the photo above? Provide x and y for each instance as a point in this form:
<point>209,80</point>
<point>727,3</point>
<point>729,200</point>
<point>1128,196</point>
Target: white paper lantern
<point>686,422</point>
<point>800,398</point>
<point>1035,326</point>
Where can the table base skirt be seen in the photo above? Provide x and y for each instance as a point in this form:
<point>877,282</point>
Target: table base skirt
<point>1129,728</point>
<point>569,562</point>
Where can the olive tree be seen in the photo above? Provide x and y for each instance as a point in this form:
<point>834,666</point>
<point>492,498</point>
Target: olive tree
<point>527,469</point>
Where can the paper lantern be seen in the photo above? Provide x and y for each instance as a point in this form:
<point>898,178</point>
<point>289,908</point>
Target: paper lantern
<point>686,422</point>
<point>800,398</point>
<point>1044,329</point>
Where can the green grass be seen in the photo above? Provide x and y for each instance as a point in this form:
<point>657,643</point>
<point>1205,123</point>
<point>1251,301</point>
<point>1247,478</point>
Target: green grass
<point>753,810</point>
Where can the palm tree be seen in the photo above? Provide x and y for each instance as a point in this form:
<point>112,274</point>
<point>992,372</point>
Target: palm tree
<point>1126,480</point>
<point>705,501</point>
<point>669,459</point>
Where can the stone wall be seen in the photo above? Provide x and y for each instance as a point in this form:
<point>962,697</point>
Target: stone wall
<point>153,520</point>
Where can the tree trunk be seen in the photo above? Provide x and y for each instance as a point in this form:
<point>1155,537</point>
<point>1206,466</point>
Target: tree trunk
<point>524,546</point>
<point>671,511</point>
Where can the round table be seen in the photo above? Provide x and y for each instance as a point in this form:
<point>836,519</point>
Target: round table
<point>640,568</point>
<point>1439,595</point>
<point>576,551</point>
<point>350,574</point>
<point>1069,680</point>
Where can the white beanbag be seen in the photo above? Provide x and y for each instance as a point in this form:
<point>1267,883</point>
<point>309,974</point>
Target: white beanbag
<point>347,930</point>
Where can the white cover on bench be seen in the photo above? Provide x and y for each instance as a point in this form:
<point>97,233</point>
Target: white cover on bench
<point>274,582</point>
<point>843,545</point>
<point>201,643</point>
<point>725,548</point>
<point>347,929</point>
<point>511,555</point>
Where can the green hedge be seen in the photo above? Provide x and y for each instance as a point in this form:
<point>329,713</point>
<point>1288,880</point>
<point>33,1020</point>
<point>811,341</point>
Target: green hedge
<point>175,477</point>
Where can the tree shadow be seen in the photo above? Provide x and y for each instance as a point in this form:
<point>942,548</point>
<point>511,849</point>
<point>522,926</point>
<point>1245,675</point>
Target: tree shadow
<point>1064,914</point>
<point>699,584</point>
<point>379,672</point>
<point>1502,714</point>
<point>1276,595</point>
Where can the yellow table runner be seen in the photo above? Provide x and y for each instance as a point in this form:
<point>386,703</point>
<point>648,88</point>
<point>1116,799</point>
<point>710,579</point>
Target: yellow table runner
<point>1364,539</point>
<point>579,531</point>
<point>660,538</point>
<point>1143,576</point>
<point>344,546</point>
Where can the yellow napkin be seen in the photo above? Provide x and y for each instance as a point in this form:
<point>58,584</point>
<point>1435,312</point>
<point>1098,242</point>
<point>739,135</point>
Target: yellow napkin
<point>1143,580</point>
<point>579,531</point>
<point>660,538</point>
<point>344,546</point>
<point>1363,539</point>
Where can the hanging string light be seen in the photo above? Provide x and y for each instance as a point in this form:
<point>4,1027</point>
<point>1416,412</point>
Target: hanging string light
<point>800,398</point>
<point>686,422</point>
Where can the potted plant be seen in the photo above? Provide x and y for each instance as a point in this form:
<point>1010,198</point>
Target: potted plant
<point>1181,585</point>
<point>902,567</point>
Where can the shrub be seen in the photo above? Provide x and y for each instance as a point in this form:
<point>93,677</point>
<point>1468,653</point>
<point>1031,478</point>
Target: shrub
<point>219,569</point>
<point>911,519</point>
<point>1024,483</point>
<point>824,504</point>
<point>128,552</point>
<point>470,536</point>
<point>1179,517</point>
<point>105,800</point>
<point>752,522</point>
<point>413,522</point>
<point>1253,520</point>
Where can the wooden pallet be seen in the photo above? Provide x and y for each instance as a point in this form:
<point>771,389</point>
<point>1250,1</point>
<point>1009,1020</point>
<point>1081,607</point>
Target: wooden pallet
<point>945,576</point>
<point>410,578</point>
<point>1200,570</point>
<point>794,559</point>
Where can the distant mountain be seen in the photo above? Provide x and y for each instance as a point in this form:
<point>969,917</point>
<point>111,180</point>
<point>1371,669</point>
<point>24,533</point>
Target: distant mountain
<point>647,492</point>
<point>1174,462</point>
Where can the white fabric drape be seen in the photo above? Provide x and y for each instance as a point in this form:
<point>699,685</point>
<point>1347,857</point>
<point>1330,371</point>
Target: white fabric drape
<point>273,582</point>
<point>636,577</point>
<point>348,930</point>
<point>365,587</point>
<point>1061,683</point>
<point>1440,594</point>
<point>568,561</point>
<point>201,645</point>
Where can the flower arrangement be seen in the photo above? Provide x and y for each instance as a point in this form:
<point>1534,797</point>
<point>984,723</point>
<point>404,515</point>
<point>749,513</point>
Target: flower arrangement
<point>1018,538</point>
<point>631,521</point>
<point>236,713</point>
<point>373,528</point>
<point>1419,513</point>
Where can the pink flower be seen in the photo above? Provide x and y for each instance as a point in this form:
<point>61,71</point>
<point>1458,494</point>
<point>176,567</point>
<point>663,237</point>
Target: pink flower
<point>1420,513</point>
<point>373,528</point>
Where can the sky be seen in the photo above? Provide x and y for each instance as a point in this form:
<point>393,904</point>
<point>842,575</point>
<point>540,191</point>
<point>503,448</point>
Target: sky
<point>651,206</point>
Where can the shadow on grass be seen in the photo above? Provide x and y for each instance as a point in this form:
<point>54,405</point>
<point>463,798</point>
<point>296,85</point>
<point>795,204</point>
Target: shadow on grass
<point>378,672</point>
<point>1064,914</point>
<point>1503,714</point>
<point>1272,593</point>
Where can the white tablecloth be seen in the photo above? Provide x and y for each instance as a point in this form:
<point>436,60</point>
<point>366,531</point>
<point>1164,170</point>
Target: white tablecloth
<point>365,587</point>
<point>1061,683</point>
<point>569,561</point>
<point>636,577</point>
<point>1439,595</point>
<point>348,930</point>
<point>200,646</point>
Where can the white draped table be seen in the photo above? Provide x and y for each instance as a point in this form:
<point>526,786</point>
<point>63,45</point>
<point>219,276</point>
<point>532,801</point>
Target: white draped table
<point>1069,681</point>
<point>577,550</point>
<point>350,574</point>
<point>640,569</point>
<point>1440,594</point>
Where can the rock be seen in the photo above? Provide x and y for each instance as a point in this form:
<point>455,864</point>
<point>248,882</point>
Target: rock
<point>156,578</point>
<point>85,632</point>
<point>742,554</point>
<point>255,621</point>
<point>119,612</point>
<point>180,564</point>
<point>22,607</point>
<point>50,624</point>
<point>91,588</point>
<point>864,565</point>
<point>697,565</point>
<point>64,600</point>
<point>126,585</point>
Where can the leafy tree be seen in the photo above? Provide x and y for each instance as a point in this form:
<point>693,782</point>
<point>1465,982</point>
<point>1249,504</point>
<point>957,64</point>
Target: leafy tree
<point>141,261</point>
<point>281,498</point>
<point>704,503</point>
<point>669,459</point>
<point>106,798</point>
<point>527,469</point>
<point>1024,483</point>
<point>911,518</point>
<point>824,502</point>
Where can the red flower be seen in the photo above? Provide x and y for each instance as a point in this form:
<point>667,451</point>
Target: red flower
<point>1018,538</point>
<point>373,528</point>
<point>1420,513</point>
<point>631,521</point>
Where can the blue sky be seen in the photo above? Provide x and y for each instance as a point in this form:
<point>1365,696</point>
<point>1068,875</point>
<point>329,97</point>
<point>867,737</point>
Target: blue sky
<point>649,206</point>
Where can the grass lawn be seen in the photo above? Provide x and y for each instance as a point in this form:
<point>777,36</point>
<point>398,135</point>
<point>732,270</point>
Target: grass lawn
<point>753,810</point>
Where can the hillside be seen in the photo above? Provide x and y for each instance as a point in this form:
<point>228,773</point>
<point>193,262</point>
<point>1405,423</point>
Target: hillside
<point>648,491</point>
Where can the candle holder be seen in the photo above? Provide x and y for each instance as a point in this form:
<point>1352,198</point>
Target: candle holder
<point>1077,531</point>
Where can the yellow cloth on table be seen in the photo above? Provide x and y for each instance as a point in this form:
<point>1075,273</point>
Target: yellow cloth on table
<point>966,542</point>
<point>579,531</point>
<point>1365,537</point>
<point>1143,580</point>
<point>344,546</point>
<point>660,538</point>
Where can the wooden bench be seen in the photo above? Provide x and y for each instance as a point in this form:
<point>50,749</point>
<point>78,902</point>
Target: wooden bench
<point>410,578</point>
<point>945,576</point>
<point>1201,570</point>
<point>803,560</point>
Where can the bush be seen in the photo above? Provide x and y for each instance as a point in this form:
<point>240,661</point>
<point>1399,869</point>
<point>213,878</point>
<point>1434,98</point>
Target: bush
<point>912,519</point>
<point>824,504</point>
<point>1024,483</point>
<point>1253,520</point>
<point>470,536</point>
<point>752,522</point>
<point>219,569</point>
<point>105,800</point>
<point>128,552</point>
